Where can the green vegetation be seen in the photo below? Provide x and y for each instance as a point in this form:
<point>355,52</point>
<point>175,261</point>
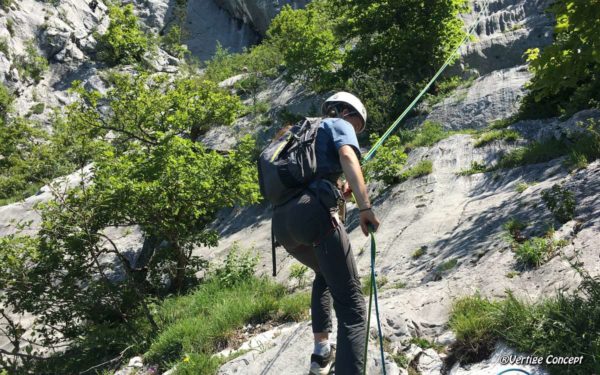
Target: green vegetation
<point>5,4</point>
<point>423,343</point>
<point>298,273</point>
<point>31,65</point>
<point>521,187</point>
<point>514,227</point>
<point>427,135</point>
<point>10,24</point>
<point>4,47</point>
<point>444,88</point>
<point>561,202</point>
<point>565,73</point>
<point>172,42</point>
<point>419,252</point>
<point>148,173</point>
<point>307,43</point>
<point>446,266</point>
<point>493,135</point>
<point>6,99</point>
<point>124,42</point>
<point>331,43</point>
<point>37,109</point>
<point>566,324</point>
<point>536,251</point>
<point>476,167</point>
<point>422,168</point>
<point>388,163</point>
<point>366,283</point>
<point>195,327</point>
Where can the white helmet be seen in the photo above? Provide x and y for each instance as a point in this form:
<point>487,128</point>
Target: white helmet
<point>351,100</point>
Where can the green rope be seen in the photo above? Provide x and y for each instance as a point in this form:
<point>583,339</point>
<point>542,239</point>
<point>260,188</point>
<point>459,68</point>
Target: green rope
<point>373,292</point>
<point>449,60</point>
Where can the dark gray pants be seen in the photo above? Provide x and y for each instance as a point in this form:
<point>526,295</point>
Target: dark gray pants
<point>297,225</point>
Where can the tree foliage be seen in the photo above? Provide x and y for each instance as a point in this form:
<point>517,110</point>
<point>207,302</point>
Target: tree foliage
<point>361,46</point>
<point>124,42</point>
<point>566,72</point>
<point>307,42</point>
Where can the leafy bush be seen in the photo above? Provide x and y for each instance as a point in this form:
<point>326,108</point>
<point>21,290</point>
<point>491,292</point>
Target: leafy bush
<point>124,41</point>
<point>366,283</point>
<point>32,64</point>
<point>566,72</point>
<point>387,165</point>
<point>534,252</point>
<point>239,266</point>
<point>560,201</point>
<point>521,187</point>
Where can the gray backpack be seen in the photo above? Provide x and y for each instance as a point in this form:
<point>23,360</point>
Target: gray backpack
<point>289,163</point>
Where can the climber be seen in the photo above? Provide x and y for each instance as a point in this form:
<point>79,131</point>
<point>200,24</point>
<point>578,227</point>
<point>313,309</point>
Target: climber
<point>309,228</point>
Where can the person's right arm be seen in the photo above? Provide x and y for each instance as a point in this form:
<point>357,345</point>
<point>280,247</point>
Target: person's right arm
<point>353,173</point>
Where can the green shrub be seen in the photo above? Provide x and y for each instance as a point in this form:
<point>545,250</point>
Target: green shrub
<point>124,41</point>
<point>561,202</point>
<point>534,252</point>
<point>537,152</point>
<point>444,88</point>
<point>565,73</point>
<point>238,266</point>
<point>172,42</point>
<point>419,252</point>
<point>10,24</point>
<point>388,163</point>
<point>493,135</point>
<point>32,64</point>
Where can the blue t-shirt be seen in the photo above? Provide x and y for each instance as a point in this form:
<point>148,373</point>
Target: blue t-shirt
<point>333,133</point>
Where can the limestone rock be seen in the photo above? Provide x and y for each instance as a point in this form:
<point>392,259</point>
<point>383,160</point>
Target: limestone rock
<point>258,13</point>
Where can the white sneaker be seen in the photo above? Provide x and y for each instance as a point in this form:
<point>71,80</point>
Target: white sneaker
<point>321,365</point>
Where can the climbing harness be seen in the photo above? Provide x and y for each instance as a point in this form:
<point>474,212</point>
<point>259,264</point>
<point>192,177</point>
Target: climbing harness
<point>369,155</point>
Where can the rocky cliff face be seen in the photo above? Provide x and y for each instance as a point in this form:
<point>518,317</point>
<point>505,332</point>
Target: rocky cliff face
<point>456,218</point>
<point>258,13</point>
